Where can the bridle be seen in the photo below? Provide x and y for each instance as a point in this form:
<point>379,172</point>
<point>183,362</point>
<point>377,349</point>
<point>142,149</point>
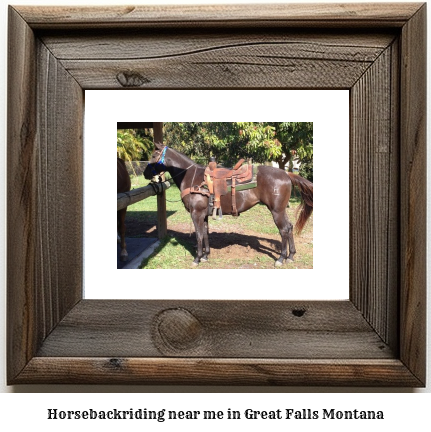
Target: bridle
<point>159,161</point>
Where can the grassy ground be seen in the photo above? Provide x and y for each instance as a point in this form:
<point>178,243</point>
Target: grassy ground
<point>250,241</point>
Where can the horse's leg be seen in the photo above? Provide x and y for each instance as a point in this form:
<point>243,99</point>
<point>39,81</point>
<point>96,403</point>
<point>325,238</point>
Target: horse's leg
<point>286,232</point>
<point>206,241</point>
<point>121,227</point>
<point>198,218</point>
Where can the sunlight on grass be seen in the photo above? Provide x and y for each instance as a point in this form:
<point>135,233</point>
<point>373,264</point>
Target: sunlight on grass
<point>175,253</point>
<point>171,254</point>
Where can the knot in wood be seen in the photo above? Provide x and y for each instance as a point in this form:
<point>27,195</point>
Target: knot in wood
<point>298,312</point>
<point>115,363</point>
<point>178,329</point>
<point>131,79</point>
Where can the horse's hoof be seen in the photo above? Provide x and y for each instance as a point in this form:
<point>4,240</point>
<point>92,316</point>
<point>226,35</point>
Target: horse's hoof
<point>195,264</point>
<point>279,263</point>
<point>288,260</point>
<point>204,259</point>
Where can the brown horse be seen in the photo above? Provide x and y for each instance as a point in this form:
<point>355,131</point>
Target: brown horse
<point>123,185</point>
<point>274,187</point>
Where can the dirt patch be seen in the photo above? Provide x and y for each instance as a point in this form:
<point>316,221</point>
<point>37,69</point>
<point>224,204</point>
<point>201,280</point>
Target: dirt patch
<point>245,249</point>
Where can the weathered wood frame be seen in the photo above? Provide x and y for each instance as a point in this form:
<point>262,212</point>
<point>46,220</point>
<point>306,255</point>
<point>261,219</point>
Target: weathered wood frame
<point>376,338</point>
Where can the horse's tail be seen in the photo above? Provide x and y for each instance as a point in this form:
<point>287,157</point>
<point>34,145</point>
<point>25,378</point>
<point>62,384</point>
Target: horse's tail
<point>306,207</point>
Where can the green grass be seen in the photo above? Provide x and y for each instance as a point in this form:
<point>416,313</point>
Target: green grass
<point>170,254</point>
<point>177,250</point>
<point>148,207</point>
<point>259,218</point>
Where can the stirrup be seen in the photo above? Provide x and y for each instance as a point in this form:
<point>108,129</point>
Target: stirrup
<point>220,213</point>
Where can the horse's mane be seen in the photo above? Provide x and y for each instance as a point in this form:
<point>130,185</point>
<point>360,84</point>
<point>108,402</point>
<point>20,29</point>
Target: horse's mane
<point>178,173</point>
<point>186,158</point>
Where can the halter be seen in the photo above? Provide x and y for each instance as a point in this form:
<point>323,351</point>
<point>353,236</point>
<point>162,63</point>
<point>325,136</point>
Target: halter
<point>160,160</point>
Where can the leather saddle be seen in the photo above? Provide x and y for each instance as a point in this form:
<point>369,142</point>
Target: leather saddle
<point>220,181</point>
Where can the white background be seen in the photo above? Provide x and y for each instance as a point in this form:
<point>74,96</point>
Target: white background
<point>28,410</point>
<point>329,112</point>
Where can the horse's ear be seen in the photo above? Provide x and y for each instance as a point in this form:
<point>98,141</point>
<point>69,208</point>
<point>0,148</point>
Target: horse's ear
<point>159,146</point>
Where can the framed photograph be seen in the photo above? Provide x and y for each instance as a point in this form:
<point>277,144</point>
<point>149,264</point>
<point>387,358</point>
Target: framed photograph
<point>250,241</point>
<point>376,337</point>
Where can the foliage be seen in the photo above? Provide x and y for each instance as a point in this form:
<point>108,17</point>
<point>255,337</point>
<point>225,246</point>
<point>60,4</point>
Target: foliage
<point>306,169</point>
<point>296,139</point>
<point>134,144</point>
<point>260,141</point>
<point>228,142</point>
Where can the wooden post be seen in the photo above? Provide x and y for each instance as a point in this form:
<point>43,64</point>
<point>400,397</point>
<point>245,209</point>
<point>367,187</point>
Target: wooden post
<point>136,195</point>
<point>162,223</point>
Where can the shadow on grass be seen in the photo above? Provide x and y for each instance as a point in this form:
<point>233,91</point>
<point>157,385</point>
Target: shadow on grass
<point>142,223</point>
<point>146,216</point>
<point>219,241</point>
<point>171,240</point>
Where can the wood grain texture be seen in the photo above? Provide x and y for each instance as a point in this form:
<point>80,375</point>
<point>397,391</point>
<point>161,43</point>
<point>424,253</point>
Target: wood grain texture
<point>21,194</point>
<point>59,183</point>
<point>300,15</point>
<point>202,59</point>
<point>196,371</point>
<point>374,195</point>
<point>413,194</point>
<point>45,185</point>
<point>229,329</point>
<point>376,338</point>
<point>347,45</point>
<point>136,195</point>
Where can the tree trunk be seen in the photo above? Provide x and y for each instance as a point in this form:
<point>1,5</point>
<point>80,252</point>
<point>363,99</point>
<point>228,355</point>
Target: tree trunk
<point>282,161</point>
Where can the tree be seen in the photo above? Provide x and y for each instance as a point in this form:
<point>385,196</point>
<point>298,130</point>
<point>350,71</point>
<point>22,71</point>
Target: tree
<point>296,139</point>
<point>306,169</point>
<point>260,140</point>
<point>134,144</point>
<point>228,142</point>
<point>188,139</point>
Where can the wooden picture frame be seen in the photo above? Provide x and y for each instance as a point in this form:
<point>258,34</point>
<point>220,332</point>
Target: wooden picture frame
<point>376,338</point>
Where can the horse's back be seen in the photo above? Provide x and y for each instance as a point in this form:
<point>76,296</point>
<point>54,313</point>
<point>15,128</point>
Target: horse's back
<point>272,171</point>
<point>269,175</point>
<point>123,178</point>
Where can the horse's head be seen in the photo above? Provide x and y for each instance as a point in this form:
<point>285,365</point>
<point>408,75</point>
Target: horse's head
<point>156,164</point>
